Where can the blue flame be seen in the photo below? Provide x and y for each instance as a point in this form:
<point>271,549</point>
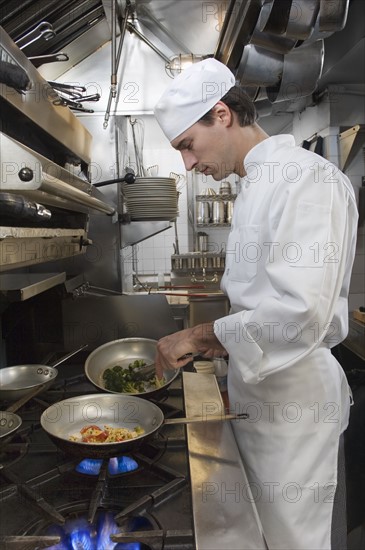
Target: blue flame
<point>78,534</point>
<point>117,465</point>
<point>89,466</point>
<point>122,464</point>
<point>81,540</point>
<point>106,527</point>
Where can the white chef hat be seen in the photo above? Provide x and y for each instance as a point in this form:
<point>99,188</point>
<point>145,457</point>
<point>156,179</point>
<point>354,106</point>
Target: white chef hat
<point>191,95</point>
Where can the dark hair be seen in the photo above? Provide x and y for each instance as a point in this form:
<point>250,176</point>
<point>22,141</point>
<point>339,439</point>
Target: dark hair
<point>239,102</point>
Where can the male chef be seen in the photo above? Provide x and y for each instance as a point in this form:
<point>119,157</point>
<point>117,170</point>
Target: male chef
<point>288,263</point>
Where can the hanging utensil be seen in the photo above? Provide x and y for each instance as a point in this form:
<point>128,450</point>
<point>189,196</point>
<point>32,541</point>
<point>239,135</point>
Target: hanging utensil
<point>140,169</point>
<point>301,72</point>
<point>91,97</point>
<point>333,15</point>
<point>67,87</point>
<point>75,105</point>
<point>48,58</point>
<point>44,30</point>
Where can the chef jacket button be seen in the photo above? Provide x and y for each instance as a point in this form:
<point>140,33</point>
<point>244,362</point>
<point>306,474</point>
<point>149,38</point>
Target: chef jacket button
<point>227,271</point>
<point>247,184</point>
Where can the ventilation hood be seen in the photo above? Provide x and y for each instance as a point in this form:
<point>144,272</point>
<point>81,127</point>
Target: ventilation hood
<point>285,52</point>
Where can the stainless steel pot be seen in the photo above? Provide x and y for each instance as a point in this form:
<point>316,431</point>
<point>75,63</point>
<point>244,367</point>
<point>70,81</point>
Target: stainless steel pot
<point>18,381</point>
<point>274,16</point>
<point>65,419</point>
<point>123,352</point>
<point>302,18</point>
<point>203,242</point>
<point>229,210</point>
<point>203,212</point>
<point>218,212</point>
<point>302,70</point>
<point>259,67</point>
<point>333,15</point>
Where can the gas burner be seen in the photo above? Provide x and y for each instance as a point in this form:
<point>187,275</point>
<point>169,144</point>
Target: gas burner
<point>116,466</point>
<point>79,533</point>
<point>125,464</point>
<point>48,490</point>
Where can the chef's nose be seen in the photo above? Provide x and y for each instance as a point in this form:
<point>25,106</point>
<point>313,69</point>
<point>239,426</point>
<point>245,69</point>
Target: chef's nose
<point>189,159</point>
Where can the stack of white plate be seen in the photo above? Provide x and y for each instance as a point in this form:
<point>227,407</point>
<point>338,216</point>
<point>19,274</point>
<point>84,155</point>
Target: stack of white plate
<point>151,199</point>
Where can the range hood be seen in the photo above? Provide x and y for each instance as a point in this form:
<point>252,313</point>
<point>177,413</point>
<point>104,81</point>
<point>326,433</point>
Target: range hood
<point>284,52</point>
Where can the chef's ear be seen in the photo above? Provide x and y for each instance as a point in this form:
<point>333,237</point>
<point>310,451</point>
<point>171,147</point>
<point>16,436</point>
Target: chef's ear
<point>223,113</point>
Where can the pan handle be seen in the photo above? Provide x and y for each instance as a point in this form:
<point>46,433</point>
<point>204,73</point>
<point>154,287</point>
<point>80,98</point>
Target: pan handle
<point>71,354</point>
<point>216,418</point>
<point>35,391</point>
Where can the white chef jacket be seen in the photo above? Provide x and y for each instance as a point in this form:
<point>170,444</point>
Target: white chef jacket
<point>288,266</point>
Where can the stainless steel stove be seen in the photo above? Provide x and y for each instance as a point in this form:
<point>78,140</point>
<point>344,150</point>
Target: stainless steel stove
<point>52,500</point>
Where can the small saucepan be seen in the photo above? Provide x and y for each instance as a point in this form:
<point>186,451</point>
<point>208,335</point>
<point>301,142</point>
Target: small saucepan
<point>123,352</point>
<point>63,422</point>
<point>19,380</point>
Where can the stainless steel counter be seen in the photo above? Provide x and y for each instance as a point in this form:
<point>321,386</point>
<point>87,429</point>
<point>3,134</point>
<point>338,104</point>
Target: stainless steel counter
<point>225,516</point>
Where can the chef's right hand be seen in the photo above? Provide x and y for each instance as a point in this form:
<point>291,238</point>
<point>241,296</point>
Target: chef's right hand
<point>175,350</point>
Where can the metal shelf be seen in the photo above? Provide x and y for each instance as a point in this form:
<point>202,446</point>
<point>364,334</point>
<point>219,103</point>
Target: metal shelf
<point>212,224</point>
<point>20,287</point>
<point>135,232</point>
<point>215,198</point>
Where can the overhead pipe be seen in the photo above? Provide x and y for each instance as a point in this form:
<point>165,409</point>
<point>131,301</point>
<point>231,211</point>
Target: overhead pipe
<point>147,19</point>
<point>134,29</point>
<point>116,55</point>
<point>113,77</point>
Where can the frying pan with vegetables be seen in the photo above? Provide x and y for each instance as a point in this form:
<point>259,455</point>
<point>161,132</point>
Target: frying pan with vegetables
<point>113,367</point>
<point>66,422</point>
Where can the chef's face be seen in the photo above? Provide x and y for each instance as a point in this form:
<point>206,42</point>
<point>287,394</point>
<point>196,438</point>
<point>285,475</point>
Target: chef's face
<point>207,148</point>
